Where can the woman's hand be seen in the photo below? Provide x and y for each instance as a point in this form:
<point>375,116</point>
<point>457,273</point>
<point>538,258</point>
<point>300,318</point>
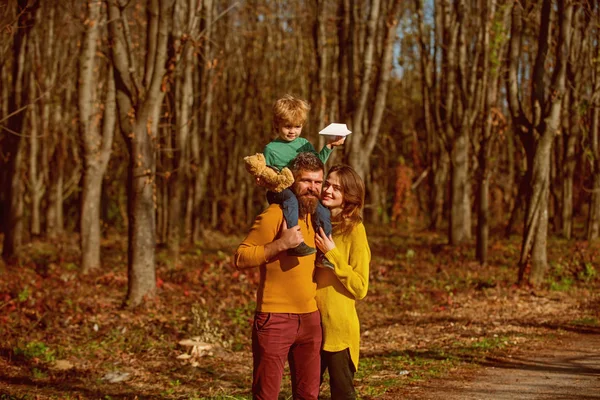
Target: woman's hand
<point>323,242</point>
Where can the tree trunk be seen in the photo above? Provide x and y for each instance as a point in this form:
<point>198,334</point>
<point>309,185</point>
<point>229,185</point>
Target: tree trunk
<point>593,222</point>
<point>518,205</point>
<point>483,212</point>
<point>36,179</point>
<point>437,156</point>
<point>460,206</point>
<point>375,67</point>
<point>96,146</point>
<point>138,108</point>
<point>439,187</point>
<point>493,51</point>
<point>568,173</point>
<point>321,56</point>
<point>59,188</point>
<point>11,148</point>
<point>540,136</point>
<point>571,134</point>
<point>358,157</point>
<point>204,139</point>
<point>533,249</point>
<point>185,102</point>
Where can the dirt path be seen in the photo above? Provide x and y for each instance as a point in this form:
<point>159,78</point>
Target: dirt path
<point>566,368</point>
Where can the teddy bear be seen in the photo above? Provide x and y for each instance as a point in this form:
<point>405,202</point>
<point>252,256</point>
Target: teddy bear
<point>271,179</point>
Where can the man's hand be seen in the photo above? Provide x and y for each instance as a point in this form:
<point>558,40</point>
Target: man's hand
<point>291,237</point>
<point>288,239</point>
<point>336,141</point>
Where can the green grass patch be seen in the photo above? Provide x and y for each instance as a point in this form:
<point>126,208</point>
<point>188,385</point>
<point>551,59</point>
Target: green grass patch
<point>586,321</point>
<point>34,350</point>
<point>378,374</point>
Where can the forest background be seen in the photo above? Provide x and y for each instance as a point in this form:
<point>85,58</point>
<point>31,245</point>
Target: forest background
<point>473,120</point>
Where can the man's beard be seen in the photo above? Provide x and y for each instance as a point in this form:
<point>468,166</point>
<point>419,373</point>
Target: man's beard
<point>307,205</point>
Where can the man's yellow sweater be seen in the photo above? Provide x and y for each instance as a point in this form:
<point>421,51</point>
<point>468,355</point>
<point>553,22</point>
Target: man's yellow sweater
<point>338,290</point>
<point>286,283</point>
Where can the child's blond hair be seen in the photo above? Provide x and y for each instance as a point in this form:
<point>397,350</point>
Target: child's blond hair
<point>289,110</point>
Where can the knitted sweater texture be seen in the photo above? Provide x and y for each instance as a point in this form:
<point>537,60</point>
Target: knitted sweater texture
<point>286,283</point>
<point>338,290</point>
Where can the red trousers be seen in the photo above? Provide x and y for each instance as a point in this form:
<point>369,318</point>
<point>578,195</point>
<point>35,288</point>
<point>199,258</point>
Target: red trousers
<point>277,336</point>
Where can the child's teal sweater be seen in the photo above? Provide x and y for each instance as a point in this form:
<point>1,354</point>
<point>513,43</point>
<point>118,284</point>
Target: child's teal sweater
<point>279,153</point>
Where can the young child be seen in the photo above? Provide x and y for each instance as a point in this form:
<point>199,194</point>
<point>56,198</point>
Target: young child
<point>289,116</point>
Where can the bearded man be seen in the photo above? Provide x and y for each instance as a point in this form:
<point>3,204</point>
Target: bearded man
<point>287,324</point>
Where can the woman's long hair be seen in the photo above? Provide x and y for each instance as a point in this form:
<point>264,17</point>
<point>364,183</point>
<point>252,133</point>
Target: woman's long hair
<point>353,192</point>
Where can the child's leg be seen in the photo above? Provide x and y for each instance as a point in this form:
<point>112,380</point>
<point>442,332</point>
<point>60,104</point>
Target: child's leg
<point>323,220</point>
<point>289,204</point>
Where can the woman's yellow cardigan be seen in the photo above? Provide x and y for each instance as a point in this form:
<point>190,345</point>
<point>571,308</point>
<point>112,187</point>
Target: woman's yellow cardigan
<point>338,290</point>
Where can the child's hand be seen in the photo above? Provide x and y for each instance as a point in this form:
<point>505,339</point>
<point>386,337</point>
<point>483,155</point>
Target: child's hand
<point>323,242</point>
<point>336,141</point>
<point>260,182</point>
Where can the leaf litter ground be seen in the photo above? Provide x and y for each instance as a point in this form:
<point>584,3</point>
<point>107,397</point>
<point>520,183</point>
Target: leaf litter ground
<point>433,318</point>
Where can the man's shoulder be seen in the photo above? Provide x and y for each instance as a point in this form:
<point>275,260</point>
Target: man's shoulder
<point>273,212</point>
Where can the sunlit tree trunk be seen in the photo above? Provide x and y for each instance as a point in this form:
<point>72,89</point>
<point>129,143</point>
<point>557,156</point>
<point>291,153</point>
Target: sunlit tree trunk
<point>97,127</point>
<point>138,104</point>
<point>493,51</point>
<point>538,133</point>
<point>437,156</point>
<point>186,23</point>
<point>36,186</point>
<point>375,71</point>
<point>572,119</point>
<point>593,221</point>
<point>65,174</point>
<point>463,88</point>
<point>321,95</point>
<point>203,140</point>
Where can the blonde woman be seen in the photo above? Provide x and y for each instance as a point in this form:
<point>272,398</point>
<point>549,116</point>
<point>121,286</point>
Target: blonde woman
<point>339,287</point>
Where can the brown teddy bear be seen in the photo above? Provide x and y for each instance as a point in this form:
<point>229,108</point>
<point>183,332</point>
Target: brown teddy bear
<point>272,180</point>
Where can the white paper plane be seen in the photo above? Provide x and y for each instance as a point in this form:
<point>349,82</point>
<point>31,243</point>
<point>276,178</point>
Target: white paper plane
<point>335,129</point>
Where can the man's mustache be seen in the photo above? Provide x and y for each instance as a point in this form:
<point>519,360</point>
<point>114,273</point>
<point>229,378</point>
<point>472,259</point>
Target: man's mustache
<point>310,192</point>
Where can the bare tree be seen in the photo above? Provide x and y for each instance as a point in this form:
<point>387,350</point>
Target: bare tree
<point>565,154</point>
<point>453,87</point>
<point>138,104</point>
<point>437,157</point>
<point>96,128</point>
<point>537,131</point>
<point>493,50</point>
<point>12,143</point>
<point>204,140</point>
<point>60,154</point>
<point>375,67</point>
<point>36,184</point>
<point>362,76</point>
<point>593,222</point>
<point>185,32</point>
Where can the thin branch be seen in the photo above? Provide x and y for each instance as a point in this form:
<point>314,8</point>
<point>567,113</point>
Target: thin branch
<point>18,110</point>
